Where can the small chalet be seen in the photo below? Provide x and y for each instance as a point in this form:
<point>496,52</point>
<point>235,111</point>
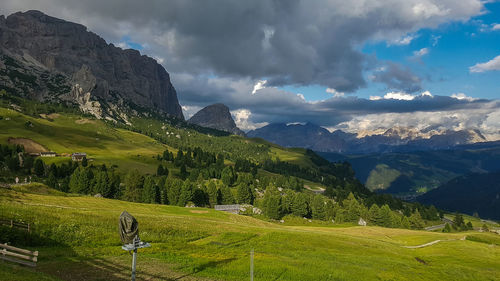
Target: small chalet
<point>235,209</point>
<point>48,154</point>
<point>78,156</point>
<point>362,222</point>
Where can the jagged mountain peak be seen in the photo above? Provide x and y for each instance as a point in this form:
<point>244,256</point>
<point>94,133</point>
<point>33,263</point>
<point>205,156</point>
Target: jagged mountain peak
<point>216,116</point>
<point>58,60</point>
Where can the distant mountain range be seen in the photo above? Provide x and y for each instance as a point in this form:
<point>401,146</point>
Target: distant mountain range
<point>397,139</point>
<point>216,116</point>
<point>473,193</point>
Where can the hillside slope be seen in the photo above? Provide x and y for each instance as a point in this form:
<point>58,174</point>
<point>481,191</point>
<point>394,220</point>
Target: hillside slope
<point>80,242</point>
<point>411,173</point>
<point>473,193</point>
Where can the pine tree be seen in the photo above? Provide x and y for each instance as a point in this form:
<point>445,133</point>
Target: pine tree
<point>330,210</point>
<point>84,161</point>
<point>469,226</point>
<point>187,194</point>
<point>374,215</point>
<point>74,181</point>
<point>244,194</point>
<point>174,189</point>
<point>39,167</point>
<point>134,183</point>
<point>160,171</point>
<point>52,181</point>
<point>64,186</point>
<point>227,197</point>
<point>183,173</point>
<point>405,223</point>
<point>447,228</point>
<point>352,208</point>
<point>150,192</point>
<point>102,184</point>
<point>385,216</point>
<point>214,195</point>
<point>227,175</point>
<point>416,221</point>
<point>318,208</point>
<point>299,205</point>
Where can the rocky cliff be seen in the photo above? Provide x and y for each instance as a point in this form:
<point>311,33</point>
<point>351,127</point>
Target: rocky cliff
<point>216,116</point>
<point>47,58</point>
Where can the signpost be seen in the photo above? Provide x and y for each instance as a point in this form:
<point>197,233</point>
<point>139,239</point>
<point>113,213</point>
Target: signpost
<point>136,244</point>
<point>129,234</point>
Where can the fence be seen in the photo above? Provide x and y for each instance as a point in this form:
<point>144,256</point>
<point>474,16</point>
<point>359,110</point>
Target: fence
<point>15,224</point>
<point>18,255</point>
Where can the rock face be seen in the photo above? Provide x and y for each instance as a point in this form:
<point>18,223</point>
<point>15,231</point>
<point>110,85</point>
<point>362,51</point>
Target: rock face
<point>51,59</point>
<point>216,116</point>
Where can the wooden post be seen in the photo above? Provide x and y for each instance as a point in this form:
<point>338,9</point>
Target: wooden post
<point>29,228</point>
<point>251,265</point>
<point>11,223</point>
<point>134,260</point>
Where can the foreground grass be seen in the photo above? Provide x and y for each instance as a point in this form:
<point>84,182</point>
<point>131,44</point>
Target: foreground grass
<point>78,240</point>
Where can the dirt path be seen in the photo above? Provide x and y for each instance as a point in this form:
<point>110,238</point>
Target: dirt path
<point>432,243</point>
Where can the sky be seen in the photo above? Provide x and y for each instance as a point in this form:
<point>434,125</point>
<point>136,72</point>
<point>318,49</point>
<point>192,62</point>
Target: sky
<point>355,65</point>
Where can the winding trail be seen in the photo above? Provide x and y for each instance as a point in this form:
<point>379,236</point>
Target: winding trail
<point>432,243</point>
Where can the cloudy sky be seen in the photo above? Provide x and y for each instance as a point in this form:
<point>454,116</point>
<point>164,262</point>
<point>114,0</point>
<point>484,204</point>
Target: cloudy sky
<point>355,65</point>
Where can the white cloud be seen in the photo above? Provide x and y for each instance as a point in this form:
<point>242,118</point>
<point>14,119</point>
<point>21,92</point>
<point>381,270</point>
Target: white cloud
<point>462,96</point>
<point>261,84</point>
<point>493,64</point>
<point>405,40</point>
<point>242,120</point>
<point>496,26</point>
<point>485,118</point>
<point>334,92</point>
<point>435,39</point>
<point>398,96</point>
<point>401,96</point>
<point>420,53</point>
<point>427,10</point>
<point>189,111</point>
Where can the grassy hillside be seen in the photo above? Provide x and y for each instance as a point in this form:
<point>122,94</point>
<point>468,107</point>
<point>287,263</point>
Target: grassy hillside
<point>78,240</point>
<point>69,133</point>
<point>473,193</point>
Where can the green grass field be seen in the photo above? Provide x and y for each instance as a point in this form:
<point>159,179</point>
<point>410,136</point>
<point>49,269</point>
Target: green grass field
<point>72,133</point>
<point>78,239</point>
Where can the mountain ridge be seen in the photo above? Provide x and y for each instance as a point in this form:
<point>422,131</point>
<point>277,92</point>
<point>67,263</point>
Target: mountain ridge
<point>50,59</point>
<point>396,139</point>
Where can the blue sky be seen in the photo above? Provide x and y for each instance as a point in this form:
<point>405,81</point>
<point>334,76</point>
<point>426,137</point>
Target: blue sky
<point>451,49</point>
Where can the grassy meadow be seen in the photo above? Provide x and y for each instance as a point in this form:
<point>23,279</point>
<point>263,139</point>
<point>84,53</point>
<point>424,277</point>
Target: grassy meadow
<point>78,239</point>
<point>68,133</point>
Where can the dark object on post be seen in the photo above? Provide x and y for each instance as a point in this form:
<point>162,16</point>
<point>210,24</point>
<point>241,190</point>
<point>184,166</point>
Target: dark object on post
<point>129,228</point>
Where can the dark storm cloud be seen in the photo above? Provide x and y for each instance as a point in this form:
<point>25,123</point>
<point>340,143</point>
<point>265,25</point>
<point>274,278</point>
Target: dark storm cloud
<point>286,41</point>
<point>397,77</point>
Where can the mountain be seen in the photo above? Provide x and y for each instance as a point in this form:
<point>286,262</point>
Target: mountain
<point>408,174</point>
<point>474,193</point>
<point>306,135</point>
<point>216,116</point>
<point>397,139</point>
<point>49,59</point>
